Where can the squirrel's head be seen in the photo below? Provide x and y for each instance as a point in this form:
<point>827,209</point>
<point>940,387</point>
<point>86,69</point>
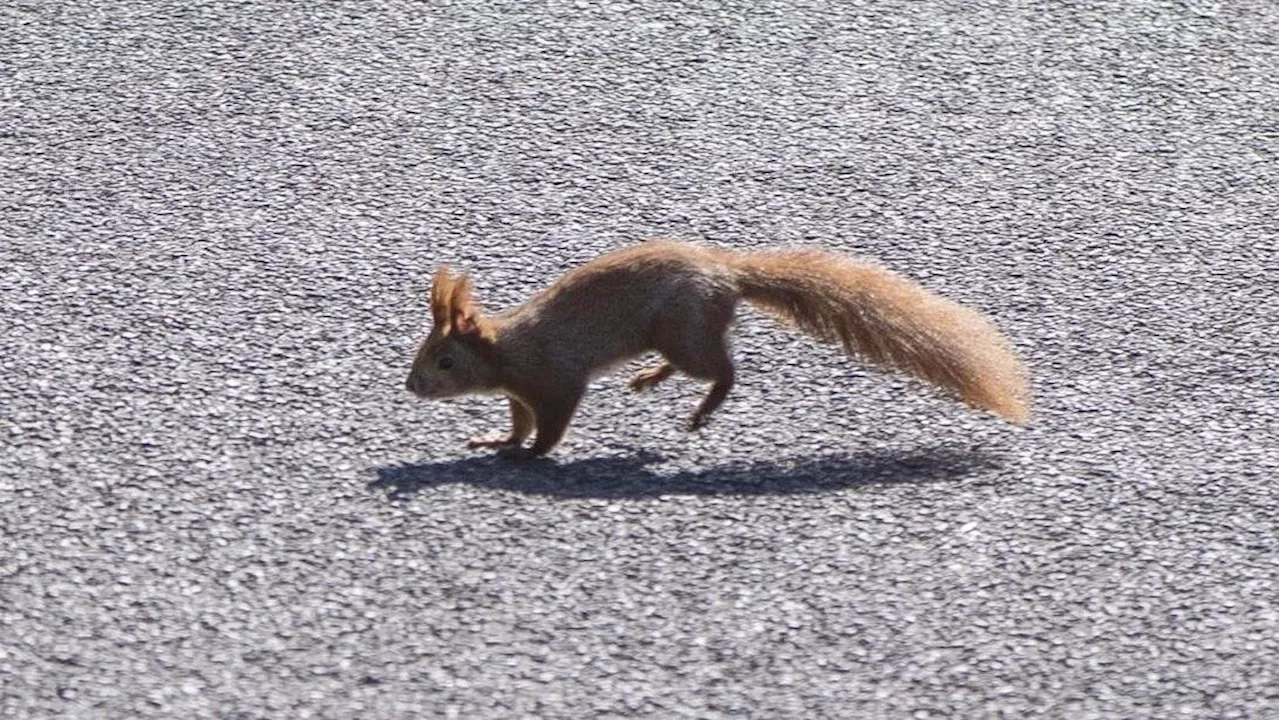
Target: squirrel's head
<point>458,357</point>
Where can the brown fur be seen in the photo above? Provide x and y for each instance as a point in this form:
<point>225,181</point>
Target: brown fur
<point>679,299</point>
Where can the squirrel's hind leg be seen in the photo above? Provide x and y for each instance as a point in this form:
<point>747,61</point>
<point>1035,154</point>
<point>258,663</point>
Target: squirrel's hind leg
<point>723,382</point>
<point>719,390</point>
<point>708,360</point>
<point>649,377</point>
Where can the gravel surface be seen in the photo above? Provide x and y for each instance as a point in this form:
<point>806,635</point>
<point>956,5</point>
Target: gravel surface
<point>217,224</point>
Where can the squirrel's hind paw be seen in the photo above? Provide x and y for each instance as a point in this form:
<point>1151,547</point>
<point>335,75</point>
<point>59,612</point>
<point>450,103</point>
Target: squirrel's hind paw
<point>697,422</point>
<point>647,378</point>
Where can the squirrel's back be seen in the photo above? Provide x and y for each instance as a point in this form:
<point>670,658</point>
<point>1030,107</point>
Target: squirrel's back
<point>611,308</point>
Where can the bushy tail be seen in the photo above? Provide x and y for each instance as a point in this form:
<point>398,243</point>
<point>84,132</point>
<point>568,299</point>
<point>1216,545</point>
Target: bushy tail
<point>889,321</point>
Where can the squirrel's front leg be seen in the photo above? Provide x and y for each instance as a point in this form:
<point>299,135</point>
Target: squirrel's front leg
<point>522,423</point>
<point>552,417</point>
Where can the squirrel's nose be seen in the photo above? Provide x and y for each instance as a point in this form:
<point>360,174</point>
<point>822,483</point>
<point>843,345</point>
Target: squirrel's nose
<point>410,385</point>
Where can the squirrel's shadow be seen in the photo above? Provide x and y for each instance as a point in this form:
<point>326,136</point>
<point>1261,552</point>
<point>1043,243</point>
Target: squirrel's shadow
<point>630,477</point>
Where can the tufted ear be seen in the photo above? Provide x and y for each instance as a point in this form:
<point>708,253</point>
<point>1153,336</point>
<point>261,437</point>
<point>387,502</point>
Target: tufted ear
<point>442,286</point>
<point>464,313</point>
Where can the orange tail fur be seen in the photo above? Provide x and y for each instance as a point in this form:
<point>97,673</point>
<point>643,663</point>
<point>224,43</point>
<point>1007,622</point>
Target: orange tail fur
<point>889,321</point>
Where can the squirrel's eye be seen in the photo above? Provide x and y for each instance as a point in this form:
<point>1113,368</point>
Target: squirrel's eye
<point>445,363</point>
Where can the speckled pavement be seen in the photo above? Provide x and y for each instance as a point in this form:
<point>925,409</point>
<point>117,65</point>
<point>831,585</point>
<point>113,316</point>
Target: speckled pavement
<point>217,226</point>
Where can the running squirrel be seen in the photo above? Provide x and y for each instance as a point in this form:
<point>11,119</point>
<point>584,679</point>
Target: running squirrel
<point>678,299</point>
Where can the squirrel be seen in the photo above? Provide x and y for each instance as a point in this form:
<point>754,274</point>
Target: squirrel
<point>678,299</point>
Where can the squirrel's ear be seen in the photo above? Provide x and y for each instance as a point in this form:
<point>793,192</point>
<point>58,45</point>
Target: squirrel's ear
<point>465,323</point>
<point>464,313</point>
<point>442,286</point>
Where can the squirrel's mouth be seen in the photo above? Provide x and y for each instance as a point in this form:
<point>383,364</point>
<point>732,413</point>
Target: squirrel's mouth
<point>423,391</point>
<point>416,387</point>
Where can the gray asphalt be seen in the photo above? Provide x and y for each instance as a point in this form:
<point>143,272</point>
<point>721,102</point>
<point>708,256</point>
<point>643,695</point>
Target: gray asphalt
<point>217,225</point>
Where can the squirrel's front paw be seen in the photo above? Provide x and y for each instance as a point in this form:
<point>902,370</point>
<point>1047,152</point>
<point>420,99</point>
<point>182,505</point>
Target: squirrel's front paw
<point>495,443</point>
